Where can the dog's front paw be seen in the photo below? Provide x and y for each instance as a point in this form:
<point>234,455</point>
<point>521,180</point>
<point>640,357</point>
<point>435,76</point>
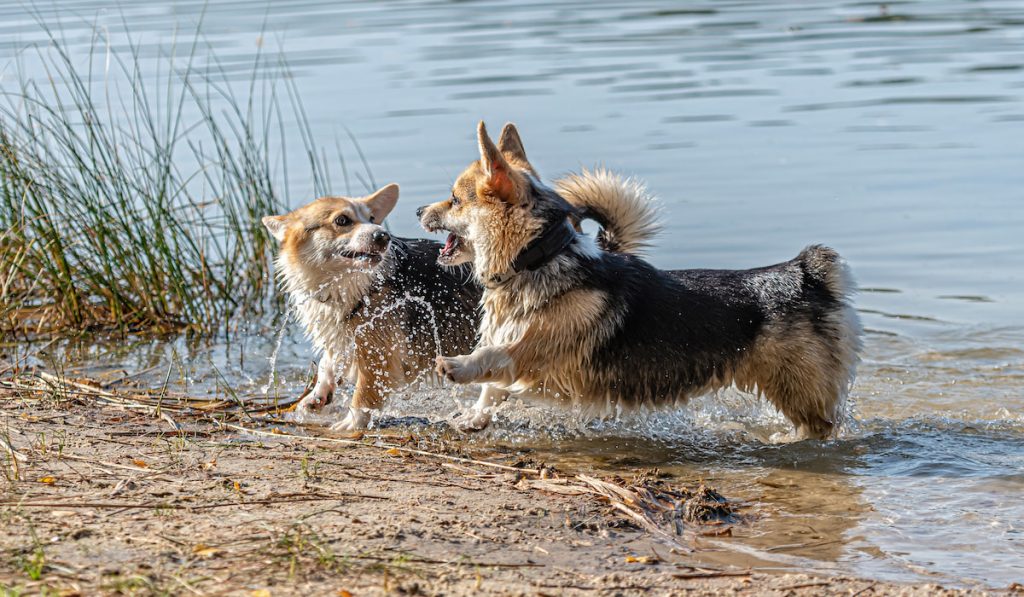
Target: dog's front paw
<point>356,420</point>
<point>317,399</point>
<point>472,421</point>
<point>457,369</point>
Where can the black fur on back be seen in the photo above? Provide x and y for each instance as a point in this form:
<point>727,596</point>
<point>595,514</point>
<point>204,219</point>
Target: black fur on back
<point>678,332</point>
<point>676,329</point>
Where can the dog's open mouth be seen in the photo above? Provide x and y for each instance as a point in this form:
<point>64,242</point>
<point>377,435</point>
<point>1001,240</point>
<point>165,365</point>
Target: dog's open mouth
<point>451,249</point>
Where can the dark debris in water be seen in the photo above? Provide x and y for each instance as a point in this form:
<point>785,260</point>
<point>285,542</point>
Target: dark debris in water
<point>393,422</point>
<point>677,504</point>
<point>675,514</point>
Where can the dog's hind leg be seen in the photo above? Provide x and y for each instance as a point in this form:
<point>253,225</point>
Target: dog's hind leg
<point>367,396</point>
<point>373,383</point>
<point>806,397</point>
<point>806,371</point>
<point>479,416</point>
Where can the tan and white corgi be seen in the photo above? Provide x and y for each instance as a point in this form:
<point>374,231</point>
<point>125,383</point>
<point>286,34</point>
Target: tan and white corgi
<point>378,308</point>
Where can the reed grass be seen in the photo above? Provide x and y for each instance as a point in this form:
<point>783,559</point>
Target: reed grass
<point>133,201</point>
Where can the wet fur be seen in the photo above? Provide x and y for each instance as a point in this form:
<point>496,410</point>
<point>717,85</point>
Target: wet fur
<point>606,330</point>
<point>394,331</point>
<point>373,321</point>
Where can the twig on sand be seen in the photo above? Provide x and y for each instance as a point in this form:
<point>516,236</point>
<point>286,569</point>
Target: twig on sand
<point>142,401</point>
<point>16,458</point>
<point>412,481</point>
<point>383,447</point>
<point>602,589</point>
<point>465,470</point>
<point>113,382</point>
<point>16,455</point>
<point>174,424</point>
<point>185,585</point>
<point>102,464</point>
<point>421,560</point>
<point>167,506</point>
<point>804,585</point>
<point>712,574</point>
<point>870,587</point>
<point>559,486</point>
<point>62,384</point>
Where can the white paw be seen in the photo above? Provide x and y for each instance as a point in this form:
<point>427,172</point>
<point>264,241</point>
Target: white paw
<point>472,421</point>
<point>318,398</point>
<point>457,369</point>
<point>357,419</point>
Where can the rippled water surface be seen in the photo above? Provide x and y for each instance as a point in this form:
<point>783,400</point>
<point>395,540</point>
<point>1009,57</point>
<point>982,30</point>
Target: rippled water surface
<point>893,133</point>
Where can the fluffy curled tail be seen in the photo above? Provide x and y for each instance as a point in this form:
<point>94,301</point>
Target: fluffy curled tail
<point>623,208</point>
<point>825,265</point>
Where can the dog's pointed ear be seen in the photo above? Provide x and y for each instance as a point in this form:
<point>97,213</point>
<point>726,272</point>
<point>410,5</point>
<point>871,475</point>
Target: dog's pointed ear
<point>381,202</point>
<point>511,144</point>
<point>276,225</point>
<point>499,177</point>
<point>490,156</point>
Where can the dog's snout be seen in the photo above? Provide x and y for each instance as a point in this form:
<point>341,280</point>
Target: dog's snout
<point>381,238</point>
<point>420,210</point>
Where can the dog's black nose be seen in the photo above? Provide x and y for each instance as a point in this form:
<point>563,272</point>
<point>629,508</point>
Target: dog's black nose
<point>420,210</point>
<point>381,238</point>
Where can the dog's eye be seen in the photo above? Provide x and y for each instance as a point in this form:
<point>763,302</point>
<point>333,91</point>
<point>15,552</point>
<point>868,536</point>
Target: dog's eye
<point>342,221</point>
<point>455,200</point>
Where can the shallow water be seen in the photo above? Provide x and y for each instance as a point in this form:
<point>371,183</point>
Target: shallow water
<point>894,134</point>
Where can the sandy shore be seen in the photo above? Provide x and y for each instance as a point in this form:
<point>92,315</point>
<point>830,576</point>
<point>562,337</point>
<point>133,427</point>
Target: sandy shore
<point>107,500</point>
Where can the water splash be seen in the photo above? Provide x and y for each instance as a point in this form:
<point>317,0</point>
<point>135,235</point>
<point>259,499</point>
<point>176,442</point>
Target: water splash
<point>402,302</point>
<point>272,360</point>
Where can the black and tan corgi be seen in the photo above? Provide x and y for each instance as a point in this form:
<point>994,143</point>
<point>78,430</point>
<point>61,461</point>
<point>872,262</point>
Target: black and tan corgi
<point>575,321</point>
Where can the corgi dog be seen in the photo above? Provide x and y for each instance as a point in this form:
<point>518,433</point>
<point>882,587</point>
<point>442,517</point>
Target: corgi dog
<point>575,321</point>
<point>378,308</point>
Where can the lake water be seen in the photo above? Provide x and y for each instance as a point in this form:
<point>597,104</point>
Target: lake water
<point>893,133</point>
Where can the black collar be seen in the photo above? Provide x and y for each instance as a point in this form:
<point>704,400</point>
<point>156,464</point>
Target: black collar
<point>541,250</point>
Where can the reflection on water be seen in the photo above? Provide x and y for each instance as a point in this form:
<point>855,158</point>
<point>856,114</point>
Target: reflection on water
<point>893,132</point>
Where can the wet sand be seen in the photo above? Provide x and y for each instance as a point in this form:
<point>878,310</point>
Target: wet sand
<point>105,500</point>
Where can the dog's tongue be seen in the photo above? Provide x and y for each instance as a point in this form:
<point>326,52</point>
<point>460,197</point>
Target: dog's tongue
<point>450,245</point>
